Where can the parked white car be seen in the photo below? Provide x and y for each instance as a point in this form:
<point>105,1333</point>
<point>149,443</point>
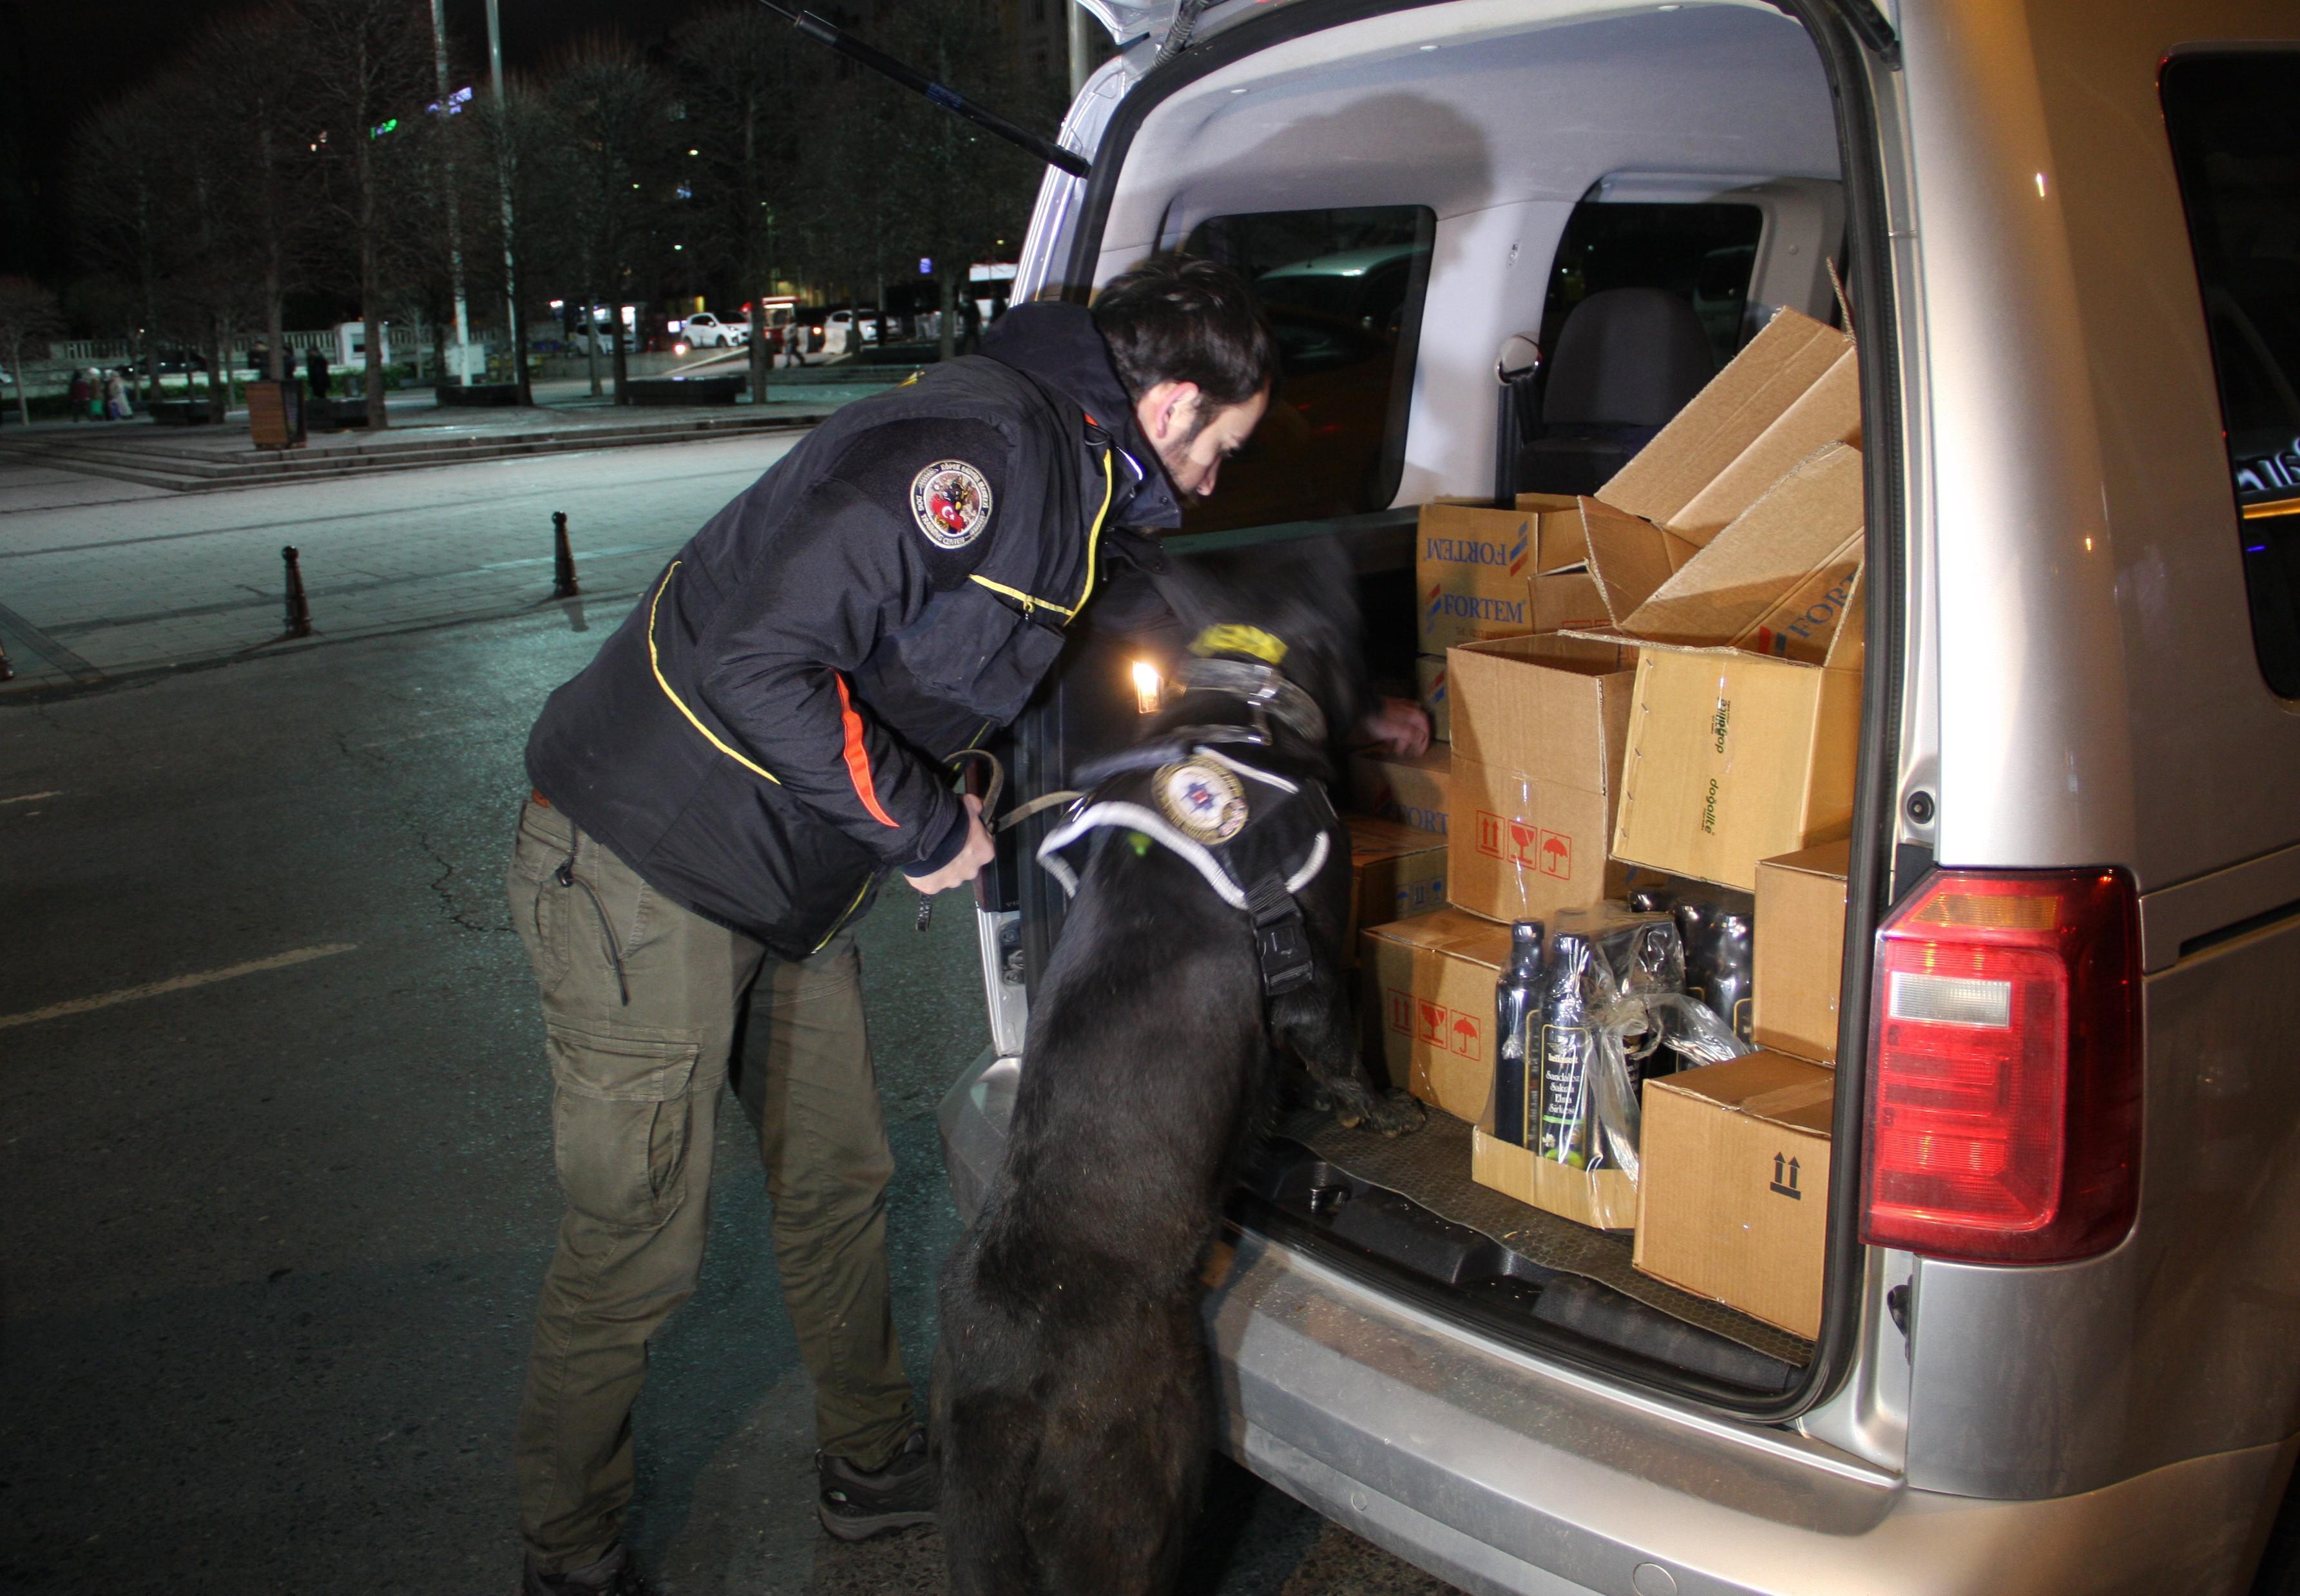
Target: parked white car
<point>704,331</point>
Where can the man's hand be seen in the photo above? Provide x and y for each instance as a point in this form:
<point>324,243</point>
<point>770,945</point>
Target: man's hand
<point>977,852</point>
<point>1399,725</point>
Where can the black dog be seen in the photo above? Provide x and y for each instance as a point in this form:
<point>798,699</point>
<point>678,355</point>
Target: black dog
<point>1072,1394</point>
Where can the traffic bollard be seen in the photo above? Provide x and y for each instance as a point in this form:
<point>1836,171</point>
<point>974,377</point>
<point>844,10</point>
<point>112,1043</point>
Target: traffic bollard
<point>563,560</point>
<point>299,607</point>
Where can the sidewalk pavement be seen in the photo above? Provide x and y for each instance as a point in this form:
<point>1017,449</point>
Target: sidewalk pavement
<point>422,434</point>
<point>103,582</point>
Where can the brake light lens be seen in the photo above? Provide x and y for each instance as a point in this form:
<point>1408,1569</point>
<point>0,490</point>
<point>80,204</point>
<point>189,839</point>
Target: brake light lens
<point>2005,1068</point>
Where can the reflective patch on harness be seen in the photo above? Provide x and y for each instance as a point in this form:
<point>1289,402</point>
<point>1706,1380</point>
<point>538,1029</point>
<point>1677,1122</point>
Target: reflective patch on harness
<point>951,502</point>
<point>1202,798</point>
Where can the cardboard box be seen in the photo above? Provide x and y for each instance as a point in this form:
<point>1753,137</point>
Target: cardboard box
<point>1799,955</point>
<point>1416,791</point>
<point>1734,757</point>
<point>1483,573</point>
<point>1760,476</point>
<point>1396,872</point>
<point>1605,1198</point>
<point>1539,728</point>
<point>1429,1000</point>
<point>1734,1201</point>
<point>1430,686</point>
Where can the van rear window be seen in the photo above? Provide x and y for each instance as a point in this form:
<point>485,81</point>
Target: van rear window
<point>2235,125</point>
<point>1343,289</point>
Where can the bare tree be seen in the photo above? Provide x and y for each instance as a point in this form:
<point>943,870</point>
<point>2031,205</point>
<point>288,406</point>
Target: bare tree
<point>748,92</point>
<point>27,311</point>
<point>264,133</point>
<point>369,62</point>
<point>612,115</point>
<point>118,184</point>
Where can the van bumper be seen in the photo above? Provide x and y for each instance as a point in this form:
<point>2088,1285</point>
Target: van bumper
<point>1501,1473</point>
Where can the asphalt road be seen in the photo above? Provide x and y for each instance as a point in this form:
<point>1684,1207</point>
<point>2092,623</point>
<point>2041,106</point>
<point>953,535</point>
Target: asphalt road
<point>278,1181</point>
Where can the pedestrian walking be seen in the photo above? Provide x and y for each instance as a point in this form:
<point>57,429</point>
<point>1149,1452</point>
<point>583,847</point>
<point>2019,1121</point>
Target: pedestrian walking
<point>315,367</point>
<point>116,397</point>
<point>81,394</point>
<point>720,794</point>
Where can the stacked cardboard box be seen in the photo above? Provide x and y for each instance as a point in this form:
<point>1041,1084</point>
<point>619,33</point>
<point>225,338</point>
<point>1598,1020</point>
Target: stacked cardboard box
<point>1663,676</point>
<point>1538,733</point>
<point>1396,872</point>
<point>1414,789</point>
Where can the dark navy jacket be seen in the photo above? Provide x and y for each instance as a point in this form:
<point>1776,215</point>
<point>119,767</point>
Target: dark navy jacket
<point>765,737</point>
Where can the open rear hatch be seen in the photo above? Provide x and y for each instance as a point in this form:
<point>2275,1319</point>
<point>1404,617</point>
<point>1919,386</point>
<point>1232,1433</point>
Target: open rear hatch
<point>1688,152</point>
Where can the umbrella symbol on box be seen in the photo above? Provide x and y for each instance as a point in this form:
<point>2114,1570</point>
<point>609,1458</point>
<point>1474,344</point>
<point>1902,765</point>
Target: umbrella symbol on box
<point>1556,855</point>
<point>1464,1040</point>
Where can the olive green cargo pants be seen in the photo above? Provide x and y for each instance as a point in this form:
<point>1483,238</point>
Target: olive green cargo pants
<point>643,1004</point>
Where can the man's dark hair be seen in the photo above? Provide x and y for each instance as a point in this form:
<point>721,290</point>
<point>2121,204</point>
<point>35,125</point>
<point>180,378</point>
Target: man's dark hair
<point>1173,318</point>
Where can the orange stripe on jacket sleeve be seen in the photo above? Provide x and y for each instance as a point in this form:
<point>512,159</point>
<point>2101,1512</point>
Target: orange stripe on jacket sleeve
<point>858,763</point>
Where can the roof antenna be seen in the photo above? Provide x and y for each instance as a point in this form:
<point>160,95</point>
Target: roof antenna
<point>949,99</point>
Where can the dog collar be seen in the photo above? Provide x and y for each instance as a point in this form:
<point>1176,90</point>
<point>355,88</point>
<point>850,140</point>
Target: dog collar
<point>1259,685</point>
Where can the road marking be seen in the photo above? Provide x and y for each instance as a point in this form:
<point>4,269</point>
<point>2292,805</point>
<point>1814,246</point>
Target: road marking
<point>29,798</point>
<point>129,994</point>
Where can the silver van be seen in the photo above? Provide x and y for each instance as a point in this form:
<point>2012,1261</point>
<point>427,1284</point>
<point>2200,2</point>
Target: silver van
<point>2059,1349</point>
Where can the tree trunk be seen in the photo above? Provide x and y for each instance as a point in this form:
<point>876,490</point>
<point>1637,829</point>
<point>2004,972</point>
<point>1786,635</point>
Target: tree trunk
<point>591,342</point>
<point>275,327</point>
<point>761,358</point>
<point>218,371</point>
<point>622,356</point>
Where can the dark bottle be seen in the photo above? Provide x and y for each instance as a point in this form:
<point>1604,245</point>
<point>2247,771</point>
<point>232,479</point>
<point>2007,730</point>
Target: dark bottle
<point>1517,1024</point>
<point>1718,933</point>
<point>1733,975</point>
<point>1567,1117</point>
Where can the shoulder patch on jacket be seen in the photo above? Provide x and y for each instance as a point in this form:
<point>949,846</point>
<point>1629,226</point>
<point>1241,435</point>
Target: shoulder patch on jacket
<point>942,479</point>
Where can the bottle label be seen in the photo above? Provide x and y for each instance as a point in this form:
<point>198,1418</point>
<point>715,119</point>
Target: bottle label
<point>1563,1134</point>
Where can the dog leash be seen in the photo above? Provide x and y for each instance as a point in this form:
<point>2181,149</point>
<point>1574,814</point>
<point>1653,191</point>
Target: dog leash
<point>992,821</point>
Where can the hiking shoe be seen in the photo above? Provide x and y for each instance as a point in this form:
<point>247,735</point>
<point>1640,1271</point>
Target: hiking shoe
<point>854,1506</point>
<point>615,1575</point>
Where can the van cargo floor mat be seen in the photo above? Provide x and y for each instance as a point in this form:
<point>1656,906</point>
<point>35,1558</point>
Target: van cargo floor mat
<point>1532,1254</point>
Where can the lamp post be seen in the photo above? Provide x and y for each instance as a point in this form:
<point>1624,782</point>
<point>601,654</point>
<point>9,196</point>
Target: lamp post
<point>454,211</point>
<point>502,173</point>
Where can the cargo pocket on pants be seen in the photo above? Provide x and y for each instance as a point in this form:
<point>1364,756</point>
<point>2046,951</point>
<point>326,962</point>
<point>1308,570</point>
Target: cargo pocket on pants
<point>620,1109</point>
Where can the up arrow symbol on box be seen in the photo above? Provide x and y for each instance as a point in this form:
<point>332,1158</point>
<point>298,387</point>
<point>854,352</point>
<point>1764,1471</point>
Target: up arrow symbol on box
<point>1790,1190</point>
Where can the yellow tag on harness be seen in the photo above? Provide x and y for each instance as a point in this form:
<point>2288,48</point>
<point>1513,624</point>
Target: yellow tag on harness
<point>1239,640</point>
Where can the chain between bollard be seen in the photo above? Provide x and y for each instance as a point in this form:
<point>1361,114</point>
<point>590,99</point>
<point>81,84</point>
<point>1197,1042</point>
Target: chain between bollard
<point>563,560</point>
<point>299,607</point>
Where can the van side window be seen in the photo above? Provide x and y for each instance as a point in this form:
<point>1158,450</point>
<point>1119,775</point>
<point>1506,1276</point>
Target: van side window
<point>2235,125</point>
<point>1703,253</point>
<point>1342,290</point>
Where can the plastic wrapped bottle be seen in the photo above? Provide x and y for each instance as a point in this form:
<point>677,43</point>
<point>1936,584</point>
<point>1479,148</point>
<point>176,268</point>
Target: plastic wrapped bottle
<point>1517,1021</point>
<point>1568,1128</point>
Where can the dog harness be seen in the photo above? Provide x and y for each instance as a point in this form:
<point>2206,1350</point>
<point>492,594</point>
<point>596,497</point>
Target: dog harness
<point>1257,838</point>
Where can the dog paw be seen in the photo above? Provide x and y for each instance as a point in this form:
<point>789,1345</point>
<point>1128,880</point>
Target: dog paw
<point>1392,1114</point>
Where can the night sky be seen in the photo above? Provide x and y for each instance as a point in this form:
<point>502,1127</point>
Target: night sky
<point>59,61</point>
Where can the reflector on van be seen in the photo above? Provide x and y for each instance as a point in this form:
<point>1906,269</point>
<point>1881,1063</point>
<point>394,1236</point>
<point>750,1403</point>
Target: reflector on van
<point>2004,1070</point>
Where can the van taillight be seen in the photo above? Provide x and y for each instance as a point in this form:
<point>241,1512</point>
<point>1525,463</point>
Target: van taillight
<point>2005,1068</point>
